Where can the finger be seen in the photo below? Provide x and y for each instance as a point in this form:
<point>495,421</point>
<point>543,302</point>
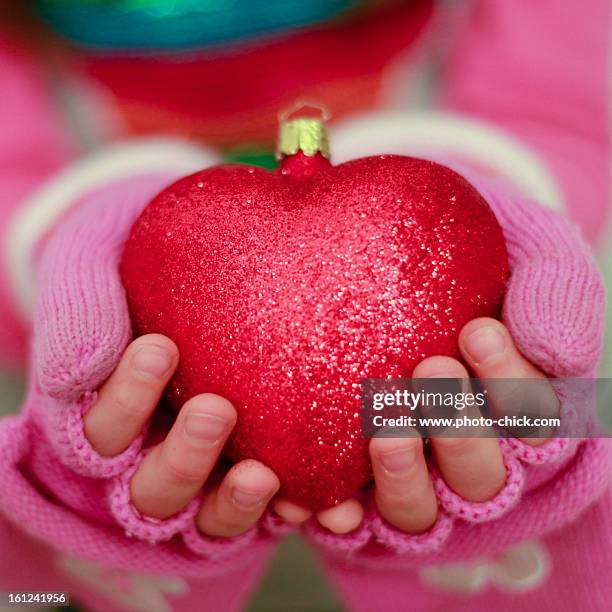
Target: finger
<point>129,397</point>
<point>490,351</point>
<point>342,518</point>
<point>471,465</point>
<point>172,474</point>
<point>239,501</point>
<point>290,512</point>
<point>404,493</point>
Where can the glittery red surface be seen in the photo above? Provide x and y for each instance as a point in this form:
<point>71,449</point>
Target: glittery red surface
<point>284,290</point>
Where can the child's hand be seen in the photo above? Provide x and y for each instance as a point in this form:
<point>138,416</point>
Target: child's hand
<point>471,466</point>
<point>171,474</point>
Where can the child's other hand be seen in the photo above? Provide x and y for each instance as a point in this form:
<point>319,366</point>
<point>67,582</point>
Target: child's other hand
<point>173,473</point>
<point>471,466</point>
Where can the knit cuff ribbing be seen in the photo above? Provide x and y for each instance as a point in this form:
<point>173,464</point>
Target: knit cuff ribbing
<point>481,512</point>
<point>138,525</point>
<point>551,452</point>
<point>155,530</point>
<point>217,548</point>
<point>223,548</point>
<point>375,527</point>
<point>345,543</point>
<point>66,434</point>
<point>420,543</point>
<point>577,413</point>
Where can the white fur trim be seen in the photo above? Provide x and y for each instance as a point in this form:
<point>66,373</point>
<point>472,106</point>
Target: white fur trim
<point>56,196</point>
<point>429,134</point>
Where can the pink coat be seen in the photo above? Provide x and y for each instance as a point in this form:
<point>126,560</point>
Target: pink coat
<point>524,97</point>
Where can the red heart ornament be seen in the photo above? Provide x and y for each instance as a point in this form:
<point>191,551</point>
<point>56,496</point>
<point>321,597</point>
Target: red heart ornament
<point>283,290</point>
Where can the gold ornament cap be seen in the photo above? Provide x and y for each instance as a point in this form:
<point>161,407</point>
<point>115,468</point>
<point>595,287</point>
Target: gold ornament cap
<point>303,129</point>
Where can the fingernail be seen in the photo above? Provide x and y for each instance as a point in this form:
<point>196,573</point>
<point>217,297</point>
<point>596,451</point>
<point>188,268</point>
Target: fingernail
<point>397,460</point>
<point>485,343</point>
<point>247,499</point>
<point>205,429</point>
<point>153,361</point>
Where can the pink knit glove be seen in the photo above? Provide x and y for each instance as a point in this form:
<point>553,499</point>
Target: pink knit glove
<point>81,328</point>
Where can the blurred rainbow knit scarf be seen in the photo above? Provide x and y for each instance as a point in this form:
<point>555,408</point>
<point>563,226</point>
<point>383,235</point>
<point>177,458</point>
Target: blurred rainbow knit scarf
<point>220,70</point>
<point>143,25</point>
